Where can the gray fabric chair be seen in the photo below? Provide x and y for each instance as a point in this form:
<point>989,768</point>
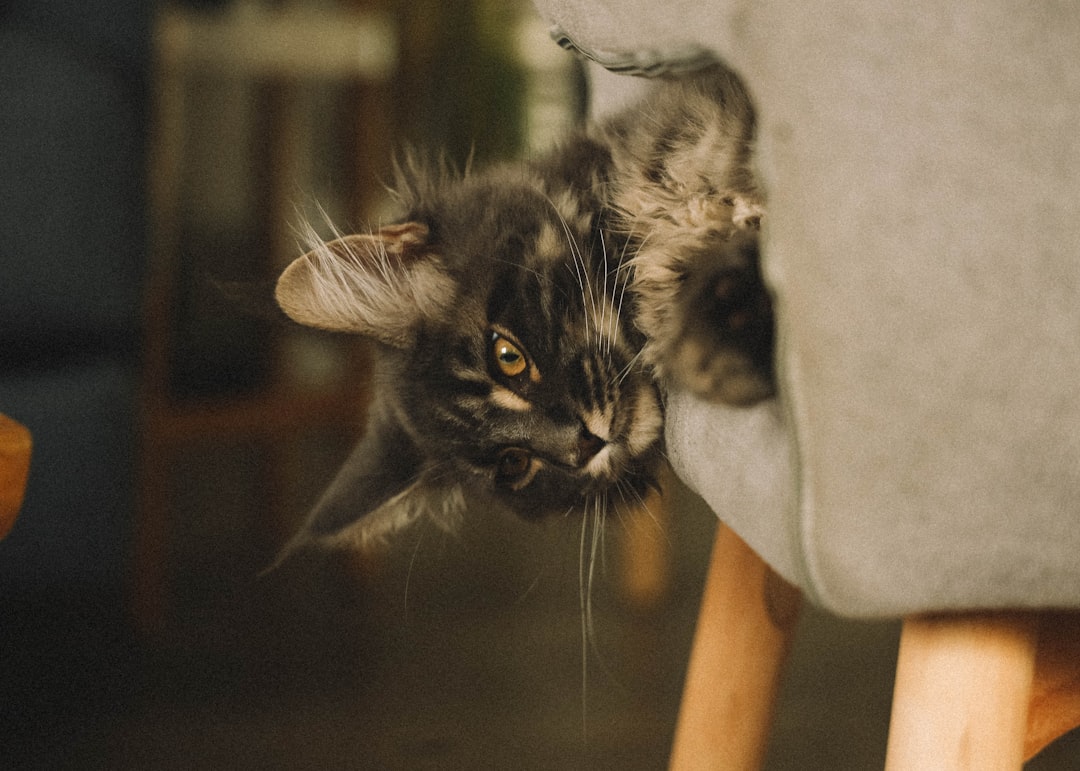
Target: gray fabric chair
<point>922,164</point>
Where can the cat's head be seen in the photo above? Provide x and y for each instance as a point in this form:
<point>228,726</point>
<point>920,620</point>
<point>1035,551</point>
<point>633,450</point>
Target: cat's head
<point>507,355</point>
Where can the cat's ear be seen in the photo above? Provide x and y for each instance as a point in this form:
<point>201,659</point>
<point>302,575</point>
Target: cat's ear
<point>381,488</point>
<point>378,284</point>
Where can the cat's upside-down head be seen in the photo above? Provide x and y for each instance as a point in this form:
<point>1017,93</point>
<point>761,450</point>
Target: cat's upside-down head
<point>507,356</point>
<point>527,317</point>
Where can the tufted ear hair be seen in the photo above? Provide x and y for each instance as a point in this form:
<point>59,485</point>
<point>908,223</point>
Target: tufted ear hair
<point>378,284</point>
<point>382,487</point>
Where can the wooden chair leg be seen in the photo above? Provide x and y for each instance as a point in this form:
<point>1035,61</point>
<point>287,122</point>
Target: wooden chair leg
<point>15,450</point>
<point>745,627</point>
<point>1055,695</point>
<point>963,684</point>
<point>645,565</point>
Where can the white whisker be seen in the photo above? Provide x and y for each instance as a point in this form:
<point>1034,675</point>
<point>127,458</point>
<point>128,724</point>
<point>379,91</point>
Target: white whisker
<point>593,546</point>
<point>585,610</point>
<point>408,574</point>
<point>589,299</point>
<point>637,501</point>
<point>597,546</point>
<point>604,343</point>
<point>625,372</point>
<point>577,263</point>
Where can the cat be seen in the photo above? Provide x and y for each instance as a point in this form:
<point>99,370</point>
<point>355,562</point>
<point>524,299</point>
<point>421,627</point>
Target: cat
<point>527,319</point>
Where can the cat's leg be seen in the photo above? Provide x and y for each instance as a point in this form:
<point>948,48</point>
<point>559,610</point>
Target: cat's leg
<point>723,349</point>
<point>747,212</point>
<point>707,314</point>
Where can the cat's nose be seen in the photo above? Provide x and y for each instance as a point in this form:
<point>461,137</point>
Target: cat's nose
<point>588,445</point>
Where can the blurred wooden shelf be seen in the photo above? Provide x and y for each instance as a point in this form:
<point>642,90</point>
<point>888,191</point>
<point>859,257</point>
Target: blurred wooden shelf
<point>258,416</point>
<point>280,54</point>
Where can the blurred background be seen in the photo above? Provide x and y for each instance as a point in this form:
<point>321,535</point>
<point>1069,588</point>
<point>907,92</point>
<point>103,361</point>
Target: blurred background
<point>156,160</point>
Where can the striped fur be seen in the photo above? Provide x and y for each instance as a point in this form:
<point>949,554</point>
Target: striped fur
<point>527,317</point>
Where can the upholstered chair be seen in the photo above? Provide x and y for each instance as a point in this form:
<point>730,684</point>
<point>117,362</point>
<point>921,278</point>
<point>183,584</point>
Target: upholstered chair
<point>922,458</point>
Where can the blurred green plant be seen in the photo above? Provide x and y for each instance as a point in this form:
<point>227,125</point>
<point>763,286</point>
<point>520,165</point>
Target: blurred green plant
<point>461,85</point>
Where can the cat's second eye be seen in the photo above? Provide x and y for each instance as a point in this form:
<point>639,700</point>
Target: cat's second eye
<point>508,357</point>
<point>515,468</point>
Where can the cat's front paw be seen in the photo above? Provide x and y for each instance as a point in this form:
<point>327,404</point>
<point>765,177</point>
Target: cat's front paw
<point>724,351</point>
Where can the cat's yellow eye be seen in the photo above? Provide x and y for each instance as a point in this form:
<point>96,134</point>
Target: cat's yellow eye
<point>508,357</point>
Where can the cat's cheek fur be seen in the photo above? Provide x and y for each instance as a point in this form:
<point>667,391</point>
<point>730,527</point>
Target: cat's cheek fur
<point>647,425</point>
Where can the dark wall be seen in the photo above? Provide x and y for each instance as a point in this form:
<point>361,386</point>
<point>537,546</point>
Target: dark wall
<point>72,253</point>
<point>73,106</point>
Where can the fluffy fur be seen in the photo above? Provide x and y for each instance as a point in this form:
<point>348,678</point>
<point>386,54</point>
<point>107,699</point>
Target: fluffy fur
<point>528,318</point>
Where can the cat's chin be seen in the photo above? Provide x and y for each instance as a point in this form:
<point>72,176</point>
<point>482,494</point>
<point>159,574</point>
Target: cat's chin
<point>626,477</point>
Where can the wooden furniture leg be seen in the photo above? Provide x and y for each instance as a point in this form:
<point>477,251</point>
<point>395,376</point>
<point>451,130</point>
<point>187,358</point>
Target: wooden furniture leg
<point>1055,694</point>
<point>646,561</point>
<point>15,446</point>
<point>745,628</point>
<point>963,684</point>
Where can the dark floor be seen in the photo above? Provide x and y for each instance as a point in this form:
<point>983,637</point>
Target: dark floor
<point>460,652</point>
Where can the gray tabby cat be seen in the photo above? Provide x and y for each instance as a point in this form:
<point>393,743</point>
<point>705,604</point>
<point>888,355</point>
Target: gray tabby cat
<point>527,319</point>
